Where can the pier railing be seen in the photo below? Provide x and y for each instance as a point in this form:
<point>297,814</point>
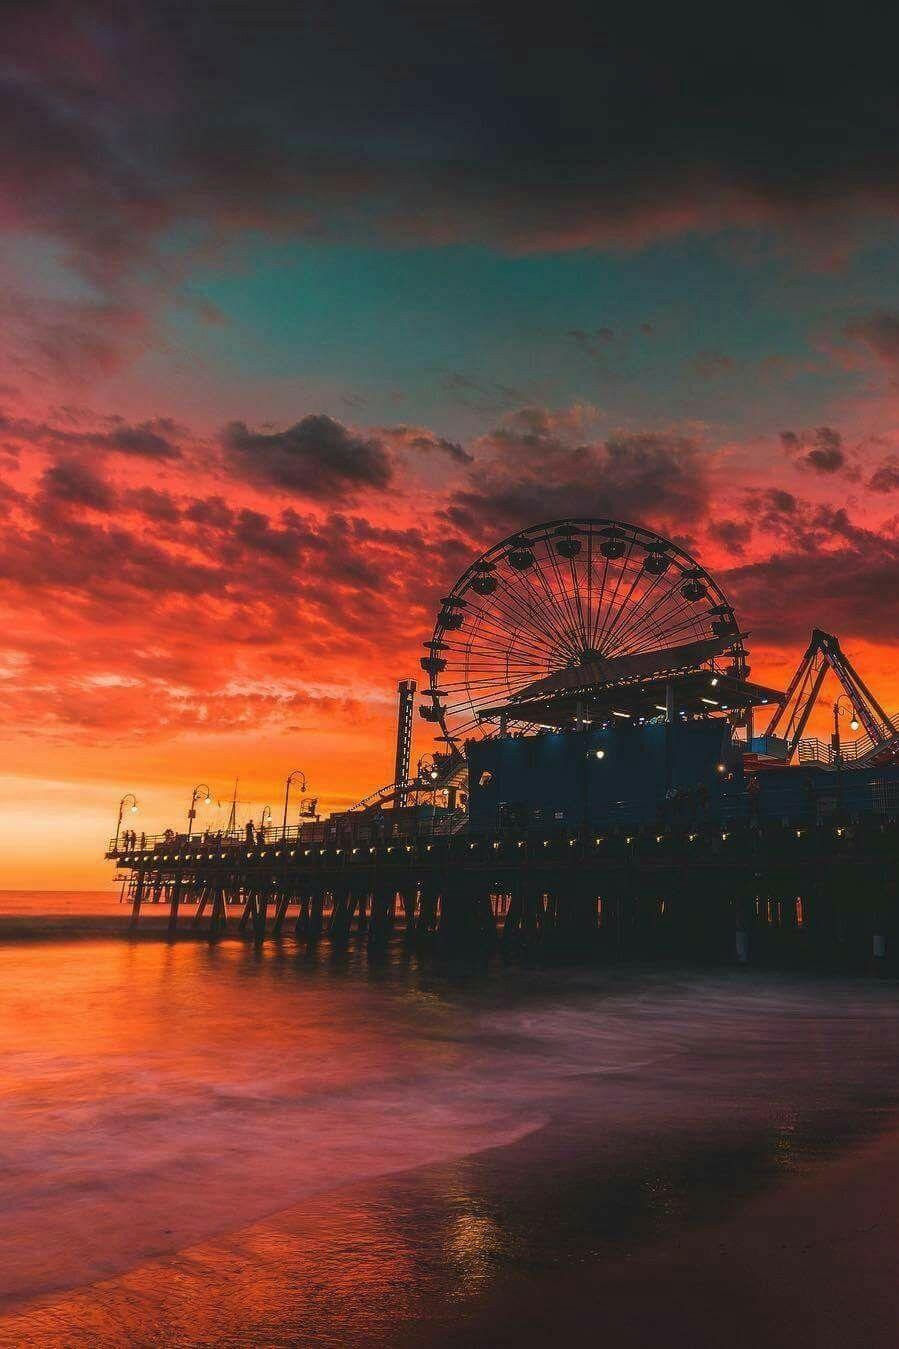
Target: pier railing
<point>800,837</point>
<point>812,750</point>
<point>327,832</point>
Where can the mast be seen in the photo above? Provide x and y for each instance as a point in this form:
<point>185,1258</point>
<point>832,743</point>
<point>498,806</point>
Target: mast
<point>231,826</point>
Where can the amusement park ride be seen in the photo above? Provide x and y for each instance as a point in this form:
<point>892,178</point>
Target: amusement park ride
<point>588,686</point>
<point>584,625</point>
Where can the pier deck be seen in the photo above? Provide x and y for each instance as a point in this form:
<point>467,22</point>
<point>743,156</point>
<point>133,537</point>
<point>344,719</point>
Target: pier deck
<point>827,889</point>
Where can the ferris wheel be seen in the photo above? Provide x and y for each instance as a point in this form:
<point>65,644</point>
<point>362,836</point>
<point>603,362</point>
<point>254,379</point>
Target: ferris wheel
<point>560,595</point>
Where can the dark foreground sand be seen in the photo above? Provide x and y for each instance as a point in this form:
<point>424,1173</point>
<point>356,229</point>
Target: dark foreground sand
<point>813,1264</point>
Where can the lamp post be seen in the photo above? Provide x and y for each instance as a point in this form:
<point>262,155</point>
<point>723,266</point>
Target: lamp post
<point>835,738</point>
<point>200,790</point>
<point>265,819</point>
<point>594,755</point>
<point>426,775</point>
<point>133,799</point>
<point>297,773</point>
<point>426,770</point>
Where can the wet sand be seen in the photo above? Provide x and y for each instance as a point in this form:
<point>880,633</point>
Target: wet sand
<point>812,1263</point>
<point>222,1145</point>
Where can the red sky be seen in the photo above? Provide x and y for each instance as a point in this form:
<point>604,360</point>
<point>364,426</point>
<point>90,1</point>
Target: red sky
<point>298,317</point>
<point>169,622</point>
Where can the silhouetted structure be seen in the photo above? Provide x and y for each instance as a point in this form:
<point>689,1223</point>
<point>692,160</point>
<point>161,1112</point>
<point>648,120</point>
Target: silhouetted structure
<point>600,787</point>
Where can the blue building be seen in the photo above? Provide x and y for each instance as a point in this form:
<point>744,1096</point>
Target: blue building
<point>667,774</point>
<point>627,774</point>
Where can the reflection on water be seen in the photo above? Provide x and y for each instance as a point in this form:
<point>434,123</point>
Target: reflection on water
<point>222,1144</point>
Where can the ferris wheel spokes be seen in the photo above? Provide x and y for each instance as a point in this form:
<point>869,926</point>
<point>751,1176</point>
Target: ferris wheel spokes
<point>555,596</point>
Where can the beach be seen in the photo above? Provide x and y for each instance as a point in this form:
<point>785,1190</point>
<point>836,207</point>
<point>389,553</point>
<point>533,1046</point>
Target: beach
<point>222,1144</point>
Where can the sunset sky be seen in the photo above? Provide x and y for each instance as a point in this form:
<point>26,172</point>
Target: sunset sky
<point>303,305</point>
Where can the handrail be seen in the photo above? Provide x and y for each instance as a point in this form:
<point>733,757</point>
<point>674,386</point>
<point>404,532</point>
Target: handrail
<point>814,750</point>
<point>646,841</point>
<point>208,844</point>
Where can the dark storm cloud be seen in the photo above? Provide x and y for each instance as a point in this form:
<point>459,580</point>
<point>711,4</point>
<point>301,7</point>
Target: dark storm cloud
<point>137,137</point>
<point>98,561</point>
<point>778,503</point>
<point>534,468</point>
<point>422,441</point>
<point>317,457</point>
<point>148,440</point>
<point>72,483</point>
<point>812,565</point>
<point>733,534</point>
<point>155,439</point>
<point>346,576</point>
<point>155,505</point>
<point>838,582</point>
<point>886,477</point>
<point>213,511</point>
<point>800,523</point>
<point>827,455</point>
<point>822,451</point>
<point>448,125</point>
<point>253,531</point>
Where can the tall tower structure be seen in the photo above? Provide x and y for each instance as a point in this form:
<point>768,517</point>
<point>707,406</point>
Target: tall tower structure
<point>405,713</point>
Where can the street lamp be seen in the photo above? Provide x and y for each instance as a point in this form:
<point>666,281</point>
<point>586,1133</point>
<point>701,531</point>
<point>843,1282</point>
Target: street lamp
<point>426,770</point>
<point>853,723</point>
<point>201,790</point>
<point>265,819</point>
<point>426,775</point>
<point>297,773</point>
<point>129,796</point>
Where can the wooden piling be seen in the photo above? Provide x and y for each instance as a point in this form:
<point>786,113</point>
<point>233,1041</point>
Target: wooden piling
<point>219,919</point>
<point>261,909</point>
<point>138,897</point>
<point>202,901</point>
<point>283,903</point>
<point>175,901</point>
<point>301,926</point>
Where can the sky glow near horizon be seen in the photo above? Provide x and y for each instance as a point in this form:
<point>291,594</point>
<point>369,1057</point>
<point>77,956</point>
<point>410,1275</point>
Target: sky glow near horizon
<point>302,309</point>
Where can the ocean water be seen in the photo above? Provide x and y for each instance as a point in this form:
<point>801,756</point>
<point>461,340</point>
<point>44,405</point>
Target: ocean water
<point>228,1144</point>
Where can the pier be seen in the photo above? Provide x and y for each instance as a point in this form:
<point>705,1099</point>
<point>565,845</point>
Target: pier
<point>597,786</point>
<point>792,892</point>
